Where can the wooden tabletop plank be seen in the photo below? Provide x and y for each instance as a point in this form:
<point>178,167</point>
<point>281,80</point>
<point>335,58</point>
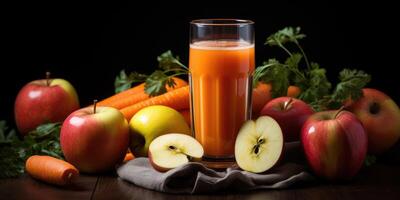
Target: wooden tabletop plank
<point>27,188</point>
<point>376,182</point>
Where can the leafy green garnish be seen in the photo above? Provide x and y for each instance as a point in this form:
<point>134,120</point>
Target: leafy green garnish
<point>44,140</point>
<point>11,164</point>
<point>167,61</point>
<point>312,80</point>
<point>278,76</point>
<point>351,83</point>
<point>155,83</point>
<point>287,34</point>
<point>124,82</point>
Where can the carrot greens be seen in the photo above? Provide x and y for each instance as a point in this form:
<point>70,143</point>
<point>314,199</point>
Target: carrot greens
<point>44,140</point>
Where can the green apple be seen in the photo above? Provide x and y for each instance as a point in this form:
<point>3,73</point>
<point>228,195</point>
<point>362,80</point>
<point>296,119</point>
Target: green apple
<point>151,122</point>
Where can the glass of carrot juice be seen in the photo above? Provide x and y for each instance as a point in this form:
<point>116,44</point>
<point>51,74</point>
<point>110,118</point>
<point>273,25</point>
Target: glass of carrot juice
<point>221,62</point>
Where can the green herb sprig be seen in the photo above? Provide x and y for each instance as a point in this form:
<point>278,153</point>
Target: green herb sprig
<point>44,140</point>
<point>155,83</point>
<point>312,79</point>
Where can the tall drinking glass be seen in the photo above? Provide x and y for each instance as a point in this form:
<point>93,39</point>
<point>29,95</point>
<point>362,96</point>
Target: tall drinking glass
<point>221,62</point>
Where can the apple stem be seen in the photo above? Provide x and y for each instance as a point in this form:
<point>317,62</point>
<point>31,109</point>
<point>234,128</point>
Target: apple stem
<point>94,106</point>
<point>287,103</point>
<point>338,112</point>
<point>48,78</point>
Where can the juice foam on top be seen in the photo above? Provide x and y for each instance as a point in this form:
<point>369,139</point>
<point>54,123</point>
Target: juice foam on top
<point>221,45</point>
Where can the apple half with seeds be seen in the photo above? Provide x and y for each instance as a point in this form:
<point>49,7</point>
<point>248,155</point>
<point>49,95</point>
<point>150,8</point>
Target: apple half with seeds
<point>173,150</point>
<point>259,145</point>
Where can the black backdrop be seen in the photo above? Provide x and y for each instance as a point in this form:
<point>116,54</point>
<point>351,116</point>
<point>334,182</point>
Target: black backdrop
<point>89,43</point>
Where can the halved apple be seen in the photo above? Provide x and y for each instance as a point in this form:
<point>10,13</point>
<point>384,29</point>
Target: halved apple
<point>259,145</point>
<point>173,150</point>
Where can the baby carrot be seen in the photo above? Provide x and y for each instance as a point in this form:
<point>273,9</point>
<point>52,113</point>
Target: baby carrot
<point>134,95</point>
<point>51,170</point>
<point>177,99</point>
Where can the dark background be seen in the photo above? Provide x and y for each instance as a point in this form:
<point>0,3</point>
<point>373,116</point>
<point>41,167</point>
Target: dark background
<point>89,43</point>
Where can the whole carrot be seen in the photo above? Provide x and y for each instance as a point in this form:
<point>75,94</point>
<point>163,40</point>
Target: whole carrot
<point>135,95</point>
<point>261,96</point>
<point>51,170</point>
<point>177,99</point>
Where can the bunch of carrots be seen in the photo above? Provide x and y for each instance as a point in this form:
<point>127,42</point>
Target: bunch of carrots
<point>130,101</point>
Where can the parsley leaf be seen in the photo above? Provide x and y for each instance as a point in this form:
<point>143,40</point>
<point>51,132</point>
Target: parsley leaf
<point>276,74</point>
<point>287,34</point>
<point>45,140</point>
<point>312,79</point>
<point>167,61</point>
<point>318,85</point>
<point>124,82</point>
<point>155,83</point>
<point>351,83</point>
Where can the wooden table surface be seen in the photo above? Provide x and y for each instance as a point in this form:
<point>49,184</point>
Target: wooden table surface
<point>376,182</point>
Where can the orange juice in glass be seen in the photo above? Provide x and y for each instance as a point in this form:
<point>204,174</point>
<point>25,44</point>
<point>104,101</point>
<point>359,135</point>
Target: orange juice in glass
<point>221,61</point>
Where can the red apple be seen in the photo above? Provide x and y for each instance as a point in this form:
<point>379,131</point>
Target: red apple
<point>95,139</point>
<point>44,101</point>
<point>335,144</point>
<point>290,113</point>
<point>380,116</point>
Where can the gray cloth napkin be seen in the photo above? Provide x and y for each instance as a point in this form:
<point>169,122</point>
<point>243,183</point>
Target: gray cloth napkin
<point>196,178</point>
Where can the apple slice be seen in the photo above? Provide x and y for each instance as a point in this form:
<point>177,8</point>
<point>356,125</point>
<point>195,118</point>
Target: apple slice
<point>259,145</point>
<point>173,150</point>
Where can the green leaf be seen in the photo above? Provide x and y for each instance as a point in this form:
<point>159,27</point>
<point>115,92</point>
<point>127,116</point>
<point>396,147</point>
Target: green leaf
<point>294,60</point>
<point>287,34</point>
<point>156,83</point>
<point>44,140</point>
<point>351,84</point>
<point>276,74</point>
<point>124,82</point>
<point>167,61</point>
<point>318,86</point>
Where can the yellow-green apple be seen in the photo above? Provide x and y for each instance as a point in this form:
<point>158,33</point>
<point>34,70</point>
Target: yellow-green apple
<point>259,145</point>
<point>44,101</point>
<point>95,139</point>
<point>151,122</point>
<point>380,116</point>
<point>290,113</point>
<point>173,150</point>
<point>335,144</point>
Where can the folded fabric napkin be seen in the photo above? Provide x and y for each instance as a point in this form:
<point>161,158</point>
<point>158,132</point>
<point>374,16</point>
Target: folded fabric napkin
<point>197,178</point>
